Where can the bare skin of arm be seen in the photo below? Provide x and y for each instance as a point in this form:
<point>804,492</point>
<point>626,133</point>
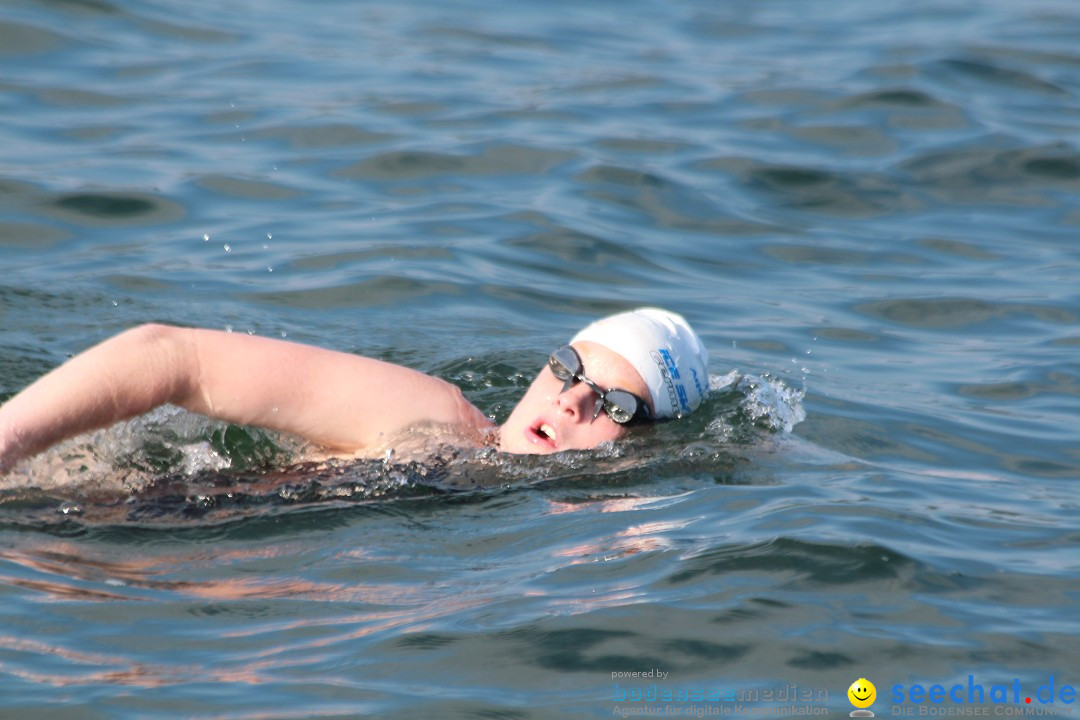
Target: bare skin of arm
<point>340,401</point>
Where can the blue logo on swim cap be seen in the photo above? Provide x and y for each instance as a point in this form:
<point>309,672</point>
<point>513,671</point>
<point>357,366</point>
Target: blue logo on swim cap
<point>670,364</point>
<point>697,383</point>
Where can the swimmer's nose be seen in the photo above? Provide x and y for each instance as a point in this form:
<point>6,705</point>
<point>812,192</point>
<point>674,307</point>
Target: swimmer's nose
<point>577,402</point>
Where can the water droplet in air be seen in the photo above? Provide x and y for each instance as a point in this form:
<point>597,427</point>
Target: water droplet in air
<point>206,237</point>
<point>269,268</point>
<point>228,248</point>
<point>70,508</point>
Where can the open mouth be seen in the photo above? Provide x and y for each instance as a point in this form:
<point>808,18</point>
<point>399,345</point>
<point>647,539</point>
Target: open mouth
<point>543,433</point>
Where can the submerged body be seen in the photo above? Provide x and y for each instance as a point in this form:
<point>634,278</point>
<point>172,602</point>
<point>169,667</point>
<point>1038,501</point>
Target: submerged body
<point>348,404</point>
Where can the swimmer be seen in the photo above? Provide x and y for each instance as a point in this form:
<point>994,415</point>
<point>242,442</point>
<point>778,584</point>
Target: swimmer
<point>629,368</point>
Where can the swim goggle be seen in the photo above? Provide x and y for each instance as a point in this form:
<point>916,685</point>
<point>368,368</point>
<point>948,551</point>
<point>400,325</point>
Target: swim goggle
<point>622,406</point>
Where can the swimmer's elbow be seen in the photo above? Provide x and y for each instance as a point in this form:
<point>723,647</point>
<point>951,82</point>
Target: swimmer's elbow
<point>150,335</point>
<point>171,362</point>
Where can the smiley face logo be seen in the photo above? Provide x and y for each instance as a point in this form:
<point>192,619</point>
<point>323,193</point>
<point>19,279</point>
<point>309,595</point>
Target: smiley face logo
<point>862,693</point>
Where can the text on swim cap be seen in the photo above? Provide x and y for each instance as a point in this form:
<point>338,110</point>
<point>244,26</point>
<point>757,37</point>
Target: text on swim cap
<point>697,383</point>
<point>683,400</point>
<point>676,391</point>
<point>670,362</point>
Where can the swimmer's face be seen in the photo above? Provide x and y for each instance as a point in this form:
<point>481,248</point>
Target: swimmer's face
<point>548,420</point>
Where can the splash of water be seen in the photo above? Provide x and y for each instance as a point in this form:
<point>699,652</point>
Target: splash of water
<point>747,404</point>
<point>128,456</point>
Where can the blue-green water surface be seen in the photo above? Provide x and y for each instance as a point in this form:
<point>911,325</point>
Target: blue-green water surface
<point>869,211</point>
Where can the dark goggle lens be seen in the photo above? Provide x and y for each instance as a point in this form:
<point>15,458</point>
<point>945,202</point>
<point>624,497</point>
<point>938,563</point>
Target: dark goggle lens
<point>621,406</point>
<point>565,365</point>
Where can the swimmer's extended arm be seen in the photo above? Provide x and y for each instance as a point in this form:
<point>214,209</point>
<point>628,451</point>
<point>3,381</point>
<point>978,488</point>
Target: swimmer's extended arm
<point>340,401</point>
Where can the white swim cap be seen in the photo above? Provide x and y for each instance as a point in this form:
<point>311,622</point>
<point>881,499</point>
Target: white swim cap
<point>664,350</point>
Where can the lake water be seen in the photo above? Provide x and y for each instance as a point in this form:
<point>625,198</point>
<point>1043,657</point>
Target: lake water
<point>869,211</point>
